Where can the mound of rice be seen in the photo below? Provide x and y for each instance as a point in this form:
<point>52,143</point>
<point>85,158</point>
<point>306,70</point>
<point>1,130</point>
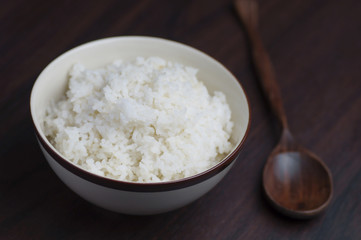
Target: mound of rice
<point>148,120</point>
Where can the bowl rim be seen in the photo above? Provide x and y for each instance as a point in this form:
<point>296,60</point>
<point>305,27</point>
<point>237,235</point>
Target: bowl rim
<point>136,186</point>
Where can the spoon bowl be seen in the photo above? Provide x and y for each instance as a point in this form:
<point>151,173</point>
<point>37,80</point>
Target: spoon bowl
<point>297,182</point>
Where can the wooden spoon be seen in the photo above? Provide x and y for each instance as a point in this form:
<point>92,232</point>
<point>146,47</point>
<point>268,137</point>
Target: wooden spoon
<point>295,180</point>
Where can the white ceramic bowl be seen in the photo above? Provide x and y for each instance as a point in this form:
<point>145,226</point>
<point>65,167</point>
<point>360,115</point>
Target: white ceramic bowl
<point>127,197</point>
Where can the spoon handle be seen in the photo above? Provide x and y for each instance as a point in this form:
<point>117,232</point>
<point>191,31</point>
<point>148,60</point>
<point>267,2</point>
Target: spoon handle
<point>248,12</point>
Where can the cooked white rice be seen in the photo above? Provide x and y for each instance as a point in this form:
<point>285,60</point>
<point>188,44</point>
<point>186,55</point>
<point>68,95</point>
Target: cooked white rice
<point>148,120</point>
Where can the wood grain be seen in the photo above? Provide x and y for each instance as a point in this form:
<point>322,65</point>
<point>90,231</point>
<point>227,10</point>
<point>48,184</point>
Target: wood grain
<point>315,48</point>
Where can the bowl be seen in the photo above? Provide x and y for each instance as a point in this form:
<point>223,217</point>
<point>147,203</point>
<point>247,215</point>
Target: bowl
<point>129,197</point>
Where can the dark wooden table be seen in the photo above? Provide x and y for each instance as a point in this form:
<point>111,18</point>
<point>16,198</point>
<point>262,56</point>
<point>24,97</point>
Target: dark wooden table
<point>316,50</point>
